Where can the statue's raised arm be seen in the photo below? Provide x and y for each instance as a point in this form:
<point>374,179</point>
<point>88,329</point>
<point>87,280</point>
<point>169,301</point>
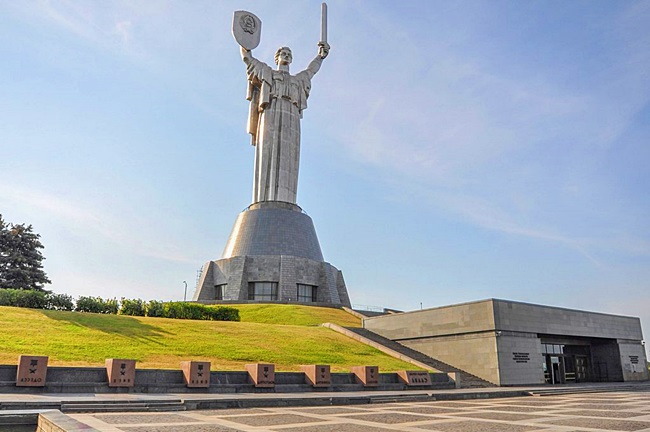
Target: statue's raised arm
<point>246,55</point>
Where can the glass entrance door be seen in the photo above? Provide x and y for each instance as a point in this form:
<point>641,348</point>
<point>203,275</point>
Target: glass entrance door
<point>566,363</point>
<point>554,370</point>
<point>557,369</point>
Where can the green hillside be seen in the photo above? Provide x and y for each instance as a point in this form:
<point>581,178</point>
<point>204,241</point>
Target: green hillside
<point>295,315</point>
<point>73,338</point>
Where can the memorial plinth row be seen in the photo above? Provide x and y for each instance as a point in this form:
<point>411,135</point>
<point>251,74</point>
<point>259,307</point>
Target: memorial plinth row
<point>32,372</point>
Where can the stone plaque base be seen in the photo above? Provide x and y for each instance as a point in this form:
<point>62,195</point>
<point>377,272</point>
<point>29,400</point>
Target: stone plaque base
<point>196,373</point>
<point>32,371</point>
<point>261,374</point>
<point>317,375</point>
<point>121,373</point>
<point>415,378</point>
<point>366,375</point>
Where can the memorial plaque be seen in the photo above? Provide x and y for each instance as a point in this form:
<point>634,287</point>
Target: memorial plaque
<point>196,373</point>
<point>415,378</point>
<point>121,373</point>
<point>317,375</point>
<point>31,371</point>
<point>367,375</point>
<point>261,374</point>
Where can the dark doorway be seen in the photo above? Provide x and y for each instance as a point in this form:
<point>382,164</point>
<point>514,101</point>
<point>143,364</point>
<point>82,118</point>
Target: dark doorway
<point>565,363</point>
<point>554,369</point>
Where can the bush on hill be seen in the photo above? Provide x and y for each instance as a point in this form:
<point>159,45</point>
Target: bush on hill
<point>155,309</point>
<point>62,302</point>
<point>35,299</point>
<point>96,305</point>
<point>23,298</point>
<point>133,307</point>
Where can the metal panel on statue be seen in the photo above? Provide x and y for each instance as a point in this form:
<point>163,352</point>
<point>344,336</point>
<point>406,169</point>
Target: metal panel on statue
<point>247,29</point>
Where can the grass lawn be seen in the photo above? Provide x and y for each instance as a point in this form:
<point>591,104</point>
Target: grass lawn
<point>85,339</point>
<point>295,315</point>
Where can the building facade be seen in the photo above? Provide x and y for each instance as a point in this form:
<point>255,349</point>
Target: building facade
<point>513,343</point>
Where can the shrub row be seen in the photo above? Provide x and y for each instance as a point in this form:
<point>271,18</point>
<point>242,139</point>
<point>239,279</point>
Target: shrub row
<point>97,305</point>
<point>133,307</point>
<point>184,310</point>
<point>180,310</point>
<point>35,299</point>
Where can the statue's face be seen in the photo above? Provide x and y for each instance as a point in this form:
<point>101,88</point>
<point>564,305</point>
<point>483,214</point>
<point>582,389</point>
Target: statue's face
<point>283,56</point>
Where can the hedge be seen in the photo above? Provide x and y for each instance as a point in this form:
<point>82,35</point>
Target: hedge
<point>197,311</point>
<point>35,299</point>
<point>133,307</point>
<point>96,305</point>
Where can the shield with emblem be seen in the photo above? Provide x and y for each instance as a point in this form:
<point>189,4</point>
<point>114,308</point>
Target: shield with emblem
<point>247,29</point>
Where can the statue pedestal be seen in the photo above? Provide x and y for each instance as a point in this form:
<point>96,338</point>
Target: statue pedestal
<point>272,255</point>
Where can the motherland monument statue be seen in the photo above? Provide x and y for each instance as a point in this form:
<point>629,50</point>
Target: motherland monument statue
<point>277,100</point>
<point>273,253</point>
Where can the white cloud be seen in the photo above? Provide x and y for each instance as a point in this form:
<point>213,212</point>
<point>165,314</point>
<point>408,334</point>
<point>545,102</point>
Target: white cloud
<point>486,214</point>
<point>123,30</point>
<point>132,236</point>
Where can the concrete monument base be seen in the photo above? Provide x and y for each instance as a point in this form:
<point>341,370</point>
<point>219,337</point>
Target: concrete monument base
<point>272,255</point>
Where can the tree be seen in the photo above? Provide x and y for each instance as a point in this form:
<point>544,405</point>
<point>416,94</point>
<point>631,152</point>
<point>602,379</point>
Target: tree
<point>20,257</point>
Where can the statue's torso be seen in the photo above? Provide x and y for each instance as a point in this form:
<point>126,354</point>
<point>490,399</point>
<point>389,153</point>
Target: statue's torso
<point>279,84</point>
<point>287,86</point>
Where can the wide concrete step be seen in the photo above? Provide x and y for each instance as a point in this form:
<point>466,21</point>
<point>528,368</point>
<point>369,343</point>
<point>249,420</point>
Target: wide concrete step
<point>122,406</point>
<point>401,398</point>
<point>591,388</point>
<point>467,380</point>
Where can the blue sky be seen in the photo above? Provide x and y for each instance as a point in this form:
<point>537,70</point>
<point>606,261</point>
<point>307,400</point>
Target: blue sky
<point>451,151</point>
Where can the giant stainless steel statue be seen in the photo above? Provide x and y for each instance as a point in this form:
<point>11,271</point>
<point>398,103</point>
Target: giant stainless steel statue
<point>277,100</point>
<point>273,253</point>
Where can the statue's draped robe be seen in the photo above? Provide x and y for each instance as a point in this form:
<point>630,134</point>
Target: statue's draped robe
<point>277,100</point>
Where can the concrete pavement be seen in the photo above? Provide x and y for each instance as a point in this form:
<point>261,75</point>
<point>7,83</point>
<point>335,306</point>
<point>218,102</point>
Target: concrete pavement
<point>347,411</point>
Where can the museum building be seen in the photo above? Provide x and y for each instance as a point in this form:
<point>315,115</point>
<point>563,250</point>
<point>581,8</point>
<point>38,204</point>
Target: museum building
<point>512,343</point>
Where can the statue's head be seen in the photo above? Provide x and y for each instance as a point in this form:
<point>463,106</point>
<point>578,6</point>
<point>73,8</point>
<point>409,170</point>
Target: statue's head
<point>283,56</point>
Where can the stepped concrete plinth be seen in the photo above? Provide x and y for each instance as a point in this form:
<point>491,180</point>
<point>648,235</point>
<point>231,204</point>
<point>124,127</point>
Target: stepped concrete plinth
<point>272,255</point>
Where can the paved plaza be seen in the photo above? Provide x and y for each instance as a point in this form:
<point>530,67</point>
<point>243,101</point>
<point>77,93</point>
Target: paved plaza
<point>609,411</point>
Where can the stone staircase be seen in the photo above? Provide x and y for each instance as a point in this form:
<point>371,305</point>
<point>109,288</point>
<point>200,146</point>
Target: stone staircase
<point>467,380</point>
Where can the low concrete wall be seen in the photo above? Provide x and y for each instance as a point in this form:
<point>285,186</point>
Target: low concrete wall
<point>95,380</point>
<point>354,313</point>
